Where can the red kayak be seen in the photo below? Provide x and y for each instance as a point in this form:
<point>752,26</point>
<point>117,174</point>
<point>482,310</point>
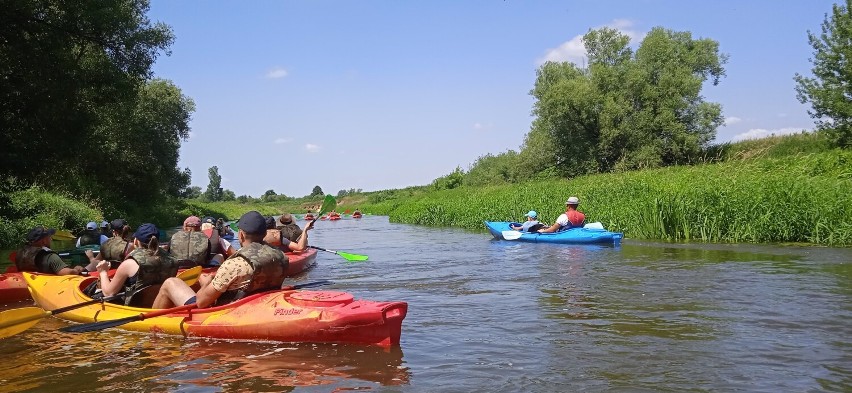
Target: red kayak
<point>13,288</point>
<point>309,217</point>
<point>299,262</point>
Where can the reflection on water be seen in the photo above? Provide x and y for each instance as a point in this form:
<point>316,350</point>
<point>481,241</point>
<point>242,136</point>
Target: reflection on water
<point>121,361</point>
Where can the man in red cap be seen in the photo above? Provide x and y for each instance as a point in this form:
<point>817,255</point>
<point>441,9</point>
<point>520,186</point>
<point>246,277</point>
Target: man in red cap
<point>254,268</point>
<point>36,255</point>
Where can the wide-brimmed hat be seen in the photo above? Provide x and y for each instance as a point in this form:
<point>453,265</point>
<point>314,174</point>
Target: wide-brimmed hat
<point>39,233</point>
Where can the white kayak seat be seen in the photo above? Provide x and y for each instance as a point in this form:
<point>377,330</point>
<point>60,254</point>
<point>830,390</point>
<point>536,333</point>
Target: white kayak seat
<point>593,225</point>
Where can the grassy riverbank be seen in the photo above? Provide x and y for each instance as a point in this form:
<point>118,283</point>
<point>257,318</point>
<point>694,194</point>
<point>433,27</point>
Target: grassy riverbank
<point>761,194</point>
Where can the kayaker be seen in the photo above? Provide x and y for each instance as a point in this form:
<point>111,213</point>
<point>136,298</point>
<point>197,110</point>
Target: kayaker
<point>572,217</point>
<point>105,229</point>
<point>289,229</point>
<point>529,224</point>
<point>279,238</point>
<point>146,265</point>
<point>224,230</point>
<point>117,248</point>
<point>255,267</point>
<point>218,245</point>
<point>91,236</point>
<point>36,255</point>
<point>191,247</point>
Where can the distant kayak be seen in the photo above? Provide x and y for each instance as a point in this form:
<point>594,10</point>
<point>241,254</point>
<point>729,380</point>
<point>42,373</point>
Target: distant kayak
<point>501,230</point>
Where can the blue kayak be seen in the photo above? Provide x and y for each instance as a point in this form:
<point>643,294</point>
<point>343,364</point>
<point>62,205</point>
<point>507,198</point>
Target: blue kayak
<point>568,236</point>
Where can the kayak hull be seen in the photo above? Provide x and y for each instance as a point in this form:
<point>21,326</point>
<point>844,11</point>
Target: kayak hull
<point>299,262</point>
<point>570,236</point>
<point>282,315</point>
<point>13,288</point>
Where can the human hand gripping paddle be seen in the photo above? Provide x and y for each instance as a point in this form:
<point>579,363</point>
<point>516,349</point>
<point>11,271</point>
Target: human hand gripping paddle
<point>95,326</point>
<point>17,320</point>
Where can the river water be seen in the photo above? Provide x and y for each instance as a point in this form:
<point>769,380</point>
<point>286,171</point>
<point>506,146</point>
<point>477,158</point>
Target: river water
<point>502,316</point>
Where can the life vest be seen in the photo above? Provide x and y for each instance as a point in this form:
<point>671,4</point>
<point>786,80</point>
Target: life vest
<point>31,259</point>
<point>90,237</point>
<point>154,269</point>
<point>215,244</point>
<point>273,238</point>
<point>290,231</point>
<point>114,249</point>
<point>190,246</point>
<point>270,269</point>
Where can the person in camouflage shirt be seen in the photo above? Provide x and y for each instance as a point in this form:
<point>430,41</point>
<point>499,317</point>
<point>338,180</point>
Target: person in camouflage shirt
<point>255,267</point>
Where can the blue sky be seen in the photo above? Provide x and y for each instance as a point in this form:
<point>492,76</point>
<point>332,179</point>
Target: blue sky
<point>388,94</point>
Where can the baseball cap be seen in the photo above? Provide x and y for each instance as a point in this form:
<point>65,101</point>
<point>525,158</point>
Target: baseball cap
<point>209,220</point>
<point>104,224</point>
<point>252,222</point>
<point>532,214</point>
<point>572,201</point>
<point>92,225</point>
<point>146,232</point>
<point>118,223</point>
<point>39,233</point>
<point>192,221</point>
<point>270,222</point>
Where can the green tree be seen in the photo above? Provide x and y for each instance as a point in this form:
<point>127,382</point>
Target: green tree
<point>214,188</point>
<point>228,196</point>
<point>268,196</point>
<point>191,192</point>
<point>450,181</point>
<point>317,191</point>
<point>829,90</point>
<point>628,110</point>
<point>63,64</point>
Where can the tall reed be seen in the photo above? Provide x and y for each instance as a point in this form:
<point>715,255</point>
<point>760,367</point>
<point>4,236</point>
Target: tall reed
<point>803,198</point>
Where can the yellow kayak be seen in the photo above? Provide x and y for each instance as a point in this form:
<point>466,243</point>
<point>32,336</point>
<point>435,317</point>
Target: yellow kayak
<point>282,315</point>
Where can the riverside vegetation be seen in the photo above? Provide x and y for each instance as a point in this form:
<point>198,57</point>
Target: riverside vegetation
<point>629,133</point>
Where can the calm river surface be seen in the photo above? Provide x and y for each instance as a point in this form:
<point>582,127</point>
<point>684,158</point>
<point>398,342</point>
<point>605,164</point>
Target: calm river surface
<point>501,316</point>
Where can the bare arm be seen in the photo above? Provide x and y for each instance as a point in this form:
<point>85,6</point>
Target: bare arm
<point>302,244</point>
<point>550,229</point>
<point>113,286</point>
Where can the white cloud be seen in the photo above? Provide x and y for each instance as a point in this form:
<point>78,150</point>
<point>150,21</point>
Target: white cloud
<point>281,140</point>
<point>757,133</point>
<point>731,120</point>
<point>481,127</point>
<point>312,148</point>
<point>276,73</point>
<point>574,51</point>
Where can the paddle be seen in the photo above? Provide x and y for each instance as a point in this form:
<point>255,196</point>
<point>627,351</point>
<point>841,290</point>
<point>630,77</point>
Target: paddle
<point>94,326</point>
<point>348,256</point>
<point>512,235</point>
<point>17,320</point>
<point>328,204</point>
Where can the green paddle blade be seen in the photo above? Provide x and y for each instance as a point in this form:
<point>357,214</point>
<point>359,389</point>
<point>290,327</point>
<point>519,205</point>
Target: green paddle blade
<point>352,257</point>
<point>328,204</point>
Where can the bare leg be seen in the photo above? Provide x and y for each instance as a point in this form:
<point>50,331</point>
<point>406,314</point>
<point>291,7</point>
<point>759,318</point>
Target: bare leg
<point>174,292</point>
